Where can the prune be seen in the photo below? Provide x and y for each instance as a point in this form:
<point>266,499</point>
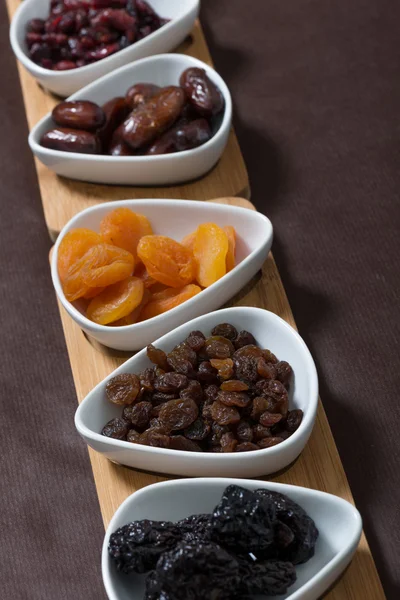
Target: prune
<point>201,92</point>
<point>246,369</point>
<point>207,374</point>
<point>268,578</point>
<point>296,518</point>
<point>147,378</point>
<point>198,430</point>
<point>155,438</point>
<point>153,117</point>
<point>228,442</point>
<point>79,114</point>
<point>196,340</point>
<point>244,432</point>
<point>244,338</point>
<point>224,415</point>
<point>293,420</point>
<point>247,447</point>
<point>239,399</point>
<point>171,383</point>
<point>178,414</point>
<point>219,347</point>
<point>183,136</point>
<point>196,570</point>
<point>283,535</point>
<point>266,370</point>
<point>283,372</point>
<point>243,521</point>
<point>71,140</point>
<point>158,357</point>
<point>270,441</point>
<point>268,419</point>
<point>116,428</point>
<point>139,93</point>
<point>193,391</point>
<point>234,385</point>
<point>123,389</point>
<point>136,547</point>
<point>140,414</point>
<point>180,442</point>
<point>225,330</point>
<point>260,432</point>
<point>195,527</point>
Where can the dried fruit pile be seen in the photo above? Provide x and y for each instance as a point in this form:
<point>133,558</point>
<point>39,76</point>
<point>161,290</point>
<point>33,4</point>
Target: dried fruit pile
<point>149,120</point>
<point>126,274</point>
<point>248,545</point>
<point>80,32</point>
<point>217,394</point>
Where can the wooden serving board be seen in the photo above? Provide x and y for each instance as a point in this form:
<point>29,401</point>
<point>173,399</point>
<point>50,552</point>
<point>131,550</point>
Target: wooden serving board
<point>319,466</point>
<point>63,198</point>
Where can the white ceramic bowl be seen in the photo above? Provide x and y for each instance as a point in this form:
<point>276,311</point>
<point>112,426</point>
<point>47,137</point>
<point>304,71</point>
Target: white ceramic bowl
<point>175,218</point>
<point>182,13</point>
<point>166,169</point>
<point>271,332</point>
<point>338,522</point>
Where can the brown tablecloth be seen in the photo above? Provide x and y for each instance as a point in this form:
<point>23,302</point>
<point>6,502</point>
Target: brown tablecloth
<point>317,99</point>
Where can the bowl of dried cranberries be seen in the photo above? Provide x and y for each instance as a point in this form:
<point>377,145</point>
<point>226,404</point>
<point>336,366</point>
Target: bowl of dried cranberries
<point>67,44</point>
<point>233,392</point>
<point>228,539</point>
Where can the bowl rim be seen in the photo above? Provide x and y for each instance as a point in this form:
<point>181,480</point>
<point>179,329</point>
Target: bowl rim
<point>306,423</point>
<point>82,320</point>
<point>41,71</point>
<point>283,488</point>
<point>225,124</point>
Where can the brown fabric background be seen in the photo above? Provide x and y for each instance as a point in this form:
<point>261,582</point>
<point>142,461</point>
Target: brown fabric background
<point>317,97</point>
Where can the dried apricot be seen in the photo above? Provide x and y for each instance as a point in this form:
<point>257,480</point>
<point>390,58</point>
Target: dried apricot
<point>133,317</point>
<point>188,241</point>
<point>210,249</point>
<point>92,292</point>
<point>170,298</point>
<point>166,260</point>
<point>230,256</point>
<point>102,265</point>
<point>123,228</point>
<point>116,301</point>
<point>73,246</point>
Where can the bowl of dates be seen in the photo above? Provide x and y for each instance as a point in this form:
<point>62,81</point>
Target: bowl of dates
<point>227,539</point>
<point>67,44</point>
<point>161,120</point>
<point>188,281</point>
<point>233,392</point>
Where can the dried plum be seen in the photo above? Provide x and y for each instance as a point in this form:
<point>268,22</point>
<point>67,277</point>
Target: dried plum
<point>195,527</point>
<point>269,578</point>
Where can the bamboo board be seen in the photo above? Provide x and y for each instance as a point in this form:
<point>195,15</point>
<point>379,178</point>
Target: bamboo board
<point>63,198</point>
<point>319,466</point>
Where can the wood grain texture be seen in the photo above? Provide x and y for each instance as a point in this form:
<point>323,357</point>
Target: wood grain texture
<point>319,466</point>
<point>62,198</point>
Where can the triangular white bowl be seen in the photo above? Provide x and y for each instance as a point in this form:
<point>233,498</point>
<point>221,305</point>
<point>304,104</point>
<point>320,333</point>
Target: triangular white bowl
<point>338,522</point>
<point>163,169</point>
<point>271,332</point>
<point>182,13</point>
<point>175,218</point>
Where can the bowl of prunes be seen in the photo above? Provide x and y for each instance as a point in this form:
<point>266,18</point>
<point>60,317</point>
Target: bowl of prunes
<point>161,120</point>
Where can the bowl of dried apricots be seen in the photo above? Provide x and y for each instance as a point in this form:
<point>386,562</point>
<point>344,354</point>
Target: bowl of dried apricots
<point>130,271</point>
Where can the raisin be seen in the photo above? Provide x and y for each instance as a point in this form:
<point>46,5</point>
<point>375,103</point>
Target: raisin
<point>185,352</point>
<point>182,366</point>
<point>171,383</point>
<point>283,372</point>
<point>217,433</point>
<point>246,368</point>
<point>248,351</point>
<point>147,378</point>
<point>158,357</point>
<point>196,340</point>
<point>266,370</point>
<point>260,432</point>
<point>193,391</point>
<point>268,419</point>
<point>228,442</point>
<point>260,405</point>
<point>293,420</point>
<point>178,414</point>
<point>159,398</point>
<point>244,432</point>
<point>123,389</point>
<point>180,442</point>
<point>116,428</point>
<point>244,338</point>
<point>198,430</point>
<point>140,415</point>
<point>152,437</point>
<point>133,436</point>
<point>225,330</point>
<point>211,392</point>
<point>224,415</point>
<point>239,399</point>
<point>246,447</point>
<point>158,371</point>
<point>276,392</point>
<point>224,366</point>
<point>219,347</point>
<point>269,441</point>
<point>207,373</point>
<point>269,357</point>
<point>234,385</point>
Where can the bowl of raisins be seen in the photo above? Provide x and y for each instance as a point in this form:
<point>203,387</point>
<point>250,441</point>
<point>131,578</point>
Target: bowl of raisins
<point>228,539</point>
<point>199,279</point>
<point>67,44</point>
<point>158,121</point>
<point>233,392</point>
